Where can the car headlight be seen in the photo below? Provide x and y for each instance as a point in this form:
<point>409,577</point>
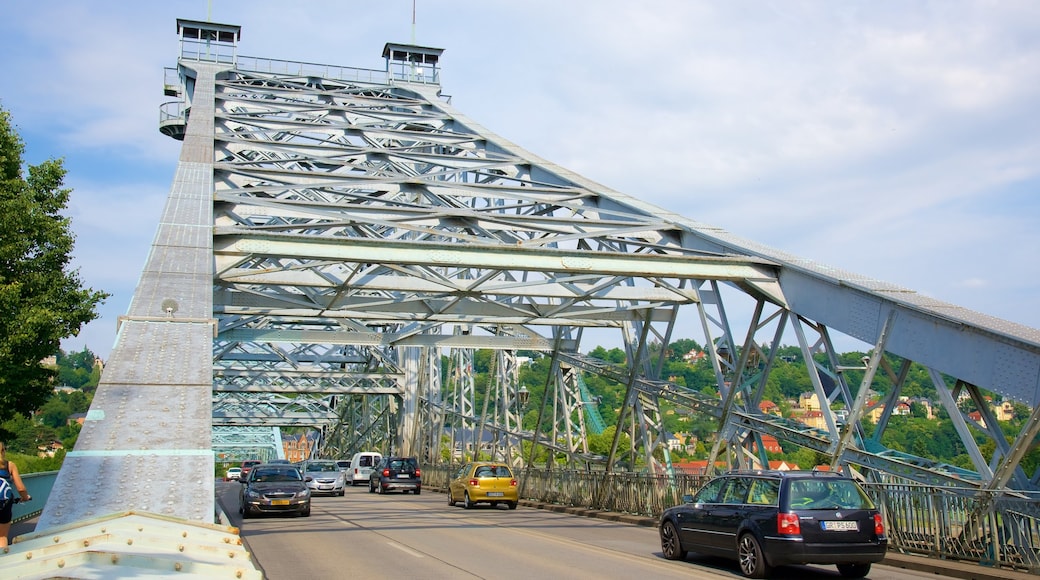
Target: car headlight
<point>303,493</point>
<point>252,494</point>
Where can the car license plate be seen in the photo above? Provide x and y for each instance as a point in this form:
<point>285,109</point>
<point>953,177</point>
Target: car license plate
<point>279,502</point>
<point>403,476</point>
<point>494,494</point>
<point>840,526</point>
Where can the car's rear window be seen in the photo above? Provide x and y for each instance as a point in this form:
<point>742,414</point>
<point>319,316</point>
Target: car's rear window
<point>321,467</point>
<point>820,494</point>
<point>406,464</point>
<point>493,471</point>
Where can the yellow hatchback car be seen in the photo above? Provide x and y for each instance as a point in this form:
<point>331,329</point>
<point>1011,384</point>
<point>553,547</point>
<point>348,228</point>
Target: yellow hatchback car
<point>483,482</point>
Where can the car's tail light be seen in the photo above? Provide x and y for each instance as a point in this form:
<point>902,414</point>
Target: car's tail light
<point>512,483</point>
<point>787,524</point>
<point>879,525</point>
<point>474,482</point>
<point>386,473</point>
<point>418,472</point>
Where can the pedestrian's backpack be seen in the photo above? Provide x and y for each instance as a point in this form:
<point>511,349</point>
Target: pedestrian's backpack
<point>6,493</point>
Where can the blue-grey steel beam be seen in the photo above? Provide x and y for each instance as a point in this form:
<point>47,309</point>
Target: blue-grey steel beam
<point>151,415</point>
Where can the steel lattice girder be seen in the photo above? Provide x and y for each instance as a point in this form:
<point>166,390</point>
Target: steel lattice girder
<point>373,215</point>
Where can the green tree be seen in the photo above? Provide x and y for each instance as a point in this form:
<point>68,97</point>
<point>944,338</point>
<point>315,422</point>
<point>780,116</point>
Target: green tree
<point>42,299</point>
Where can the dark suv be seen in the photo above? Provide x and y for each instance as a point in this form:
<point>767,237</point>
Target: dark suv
<point>764,519</point>
<point>396,473</point>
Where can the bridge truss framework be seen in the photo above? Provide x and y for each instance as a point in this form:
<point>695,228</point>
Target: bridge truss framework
<point>339,243</point>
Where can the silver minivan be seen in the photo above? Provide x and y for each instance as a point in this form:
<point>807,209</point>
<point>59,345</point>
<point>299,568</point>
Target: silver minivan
<point>361,466</point>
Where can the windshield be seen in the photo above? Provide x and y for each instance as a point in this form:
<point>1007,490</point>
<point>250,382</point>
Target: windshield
<point>267,474</point>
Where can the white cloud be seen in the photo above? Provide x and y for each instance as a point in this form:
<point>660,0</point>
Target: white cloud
<point>898,140</point>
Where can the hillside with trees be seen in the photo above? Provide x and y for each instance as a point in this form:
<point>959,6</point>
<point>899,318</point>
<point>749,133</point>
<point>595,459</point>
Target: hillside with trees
<point>38,441</point>
<point>926,431</point>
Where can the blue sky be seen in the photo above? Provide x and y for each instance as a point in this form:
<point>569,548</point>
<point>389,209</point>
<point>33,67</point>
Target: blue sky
<point>898,140</point>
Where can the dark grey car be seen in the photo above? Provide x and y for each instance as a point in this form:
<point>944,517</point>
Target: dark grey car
<point>274,488</point>
<point>396,474</point>
<point>764,519</point>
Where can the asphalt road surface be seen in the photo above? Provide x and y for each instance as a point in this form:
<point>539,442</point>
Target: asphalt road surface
<point>421,537</point>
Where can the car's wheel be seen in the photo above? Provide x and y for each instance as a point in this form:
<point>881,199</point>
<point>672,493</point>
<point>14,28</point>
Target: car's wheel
<point>382,490</point>
<point>371,487</point>
<point>512,505</point>
<point>451,500</point>
<point>752,561</point>
<point>466,503</point>
<point>306,513</point>
<point>417,491</point>
<point>671,546</point>
<point>343,492</point>
<point>854,570</point>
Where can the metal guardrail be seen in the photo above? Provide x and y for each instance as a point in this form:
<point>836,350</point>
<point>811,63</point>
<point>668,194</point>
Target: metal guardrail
<point>310,69</point>
<point>940,522</point>
<point>962,523</point>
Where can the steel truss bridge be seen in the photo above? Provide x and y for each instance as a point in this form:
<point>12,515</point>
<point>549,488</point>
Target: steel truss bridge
<point>339,242</point>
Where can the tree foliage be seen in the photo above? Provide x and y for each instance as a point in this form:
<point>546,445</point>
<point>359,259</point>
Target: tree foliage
<point>42,299</point>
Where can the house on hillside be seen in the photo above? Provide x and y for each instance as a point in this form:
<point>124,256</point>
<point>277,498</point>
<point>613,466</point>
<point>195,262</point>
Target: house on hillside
<point>1004,411</point>
<point>769,408</point>
<point>814,419</point>
<point>770,444</point>
<point>808,401</point>
<point>693,357</point>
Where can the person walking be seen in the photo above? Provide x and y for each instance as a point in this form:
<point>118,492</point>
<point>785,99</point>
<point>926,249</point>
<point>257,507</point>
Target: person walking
<point>9,471</point>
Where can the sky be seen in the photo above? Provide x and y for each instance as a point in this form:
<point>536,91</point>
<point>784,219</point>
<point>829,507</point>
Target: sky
<point>895,139</point>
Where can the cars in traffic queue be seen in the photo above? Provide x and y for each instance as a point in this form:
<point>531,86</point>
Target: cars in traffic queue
<point>246,466</point>
<point>764,519</point>
<point>274,488</point>
<point>484,482</point>
<point>394,473</point>
<point>361,465</point>
<point>324,477</point>
<point>233,473</point>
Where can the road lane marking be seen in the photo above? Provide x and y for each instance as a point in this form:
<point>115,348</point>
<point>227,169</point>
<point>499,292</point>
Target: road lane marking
<point>406,550</point>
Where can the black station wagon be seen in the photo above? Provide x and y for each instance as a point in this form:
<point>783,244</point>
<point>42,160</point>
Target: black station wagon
<point>764,519</point>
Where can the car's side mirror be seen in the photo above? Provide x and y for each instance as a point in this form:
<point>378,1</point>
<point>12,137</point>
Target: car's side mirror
<point>308,478</point>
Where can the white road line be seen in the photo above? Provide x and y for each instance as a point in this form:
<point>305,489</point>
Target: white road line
<point>408,551</point>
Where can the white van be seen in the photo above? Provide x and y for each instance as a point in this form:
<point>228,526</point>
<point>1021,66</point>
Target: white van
<point>361,466</point>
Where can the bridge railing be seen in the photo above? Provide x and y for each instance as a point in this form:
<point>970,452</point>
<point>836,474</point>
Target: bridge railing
<point>39,487</point>
<point>941,522</point>
<point>310,69</point>
<point>962,524</point>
